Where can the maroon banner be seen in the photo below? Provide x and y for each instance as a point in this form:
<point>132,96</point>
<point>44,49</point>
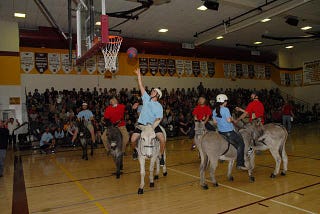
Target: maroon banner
<point>41,62</point>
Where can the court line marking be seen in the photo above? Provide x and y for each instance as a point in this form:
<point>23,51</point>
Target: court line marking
<point>243,191</point>
<point>79,185</point>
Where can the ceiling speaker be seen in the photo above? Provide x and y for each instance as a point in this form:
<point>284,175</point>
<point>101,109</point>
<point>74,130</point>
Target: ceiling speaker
<point>292,21</point>
<point>211,4</point>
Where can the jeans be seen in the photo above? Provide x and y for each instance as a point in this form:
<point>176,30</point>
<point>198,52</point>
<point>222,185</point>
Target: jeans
<point>237,139</point>
<point>2,158</point>
<point>286,122</point>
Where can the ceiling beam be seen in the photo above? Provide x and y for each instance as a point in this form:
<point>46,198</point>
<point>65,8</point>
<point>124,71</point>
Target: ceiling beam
<point>211,35</point>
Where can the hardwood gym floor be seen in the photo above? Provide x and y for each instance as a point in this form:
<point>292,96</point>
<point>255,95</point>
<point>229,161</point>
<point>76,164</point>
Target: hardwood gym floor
<point>64,183</point>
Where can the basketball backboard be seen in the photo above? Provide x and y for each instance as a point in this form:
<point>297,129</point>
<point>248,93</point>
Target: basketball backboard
<point>92,29</point>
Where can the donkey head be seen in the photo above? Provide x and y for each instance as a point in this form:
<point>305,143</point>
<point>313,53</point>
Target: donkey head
<point>147,140</point>
<point>199,128</point>
<point>82,126</point>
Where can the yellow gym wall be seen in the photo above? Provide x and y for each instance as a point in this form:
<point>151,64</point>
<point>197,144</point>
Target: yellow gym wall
<point>10,70</point>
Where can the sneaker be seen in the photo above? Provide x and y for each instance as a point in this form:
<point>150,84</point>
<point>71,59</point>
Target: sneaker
<point>162,161</point>
<point>135,154</point>
<point>242,168</point>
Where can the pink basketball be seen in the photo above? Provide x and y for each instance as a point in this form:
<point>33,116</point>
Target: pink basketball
<point>132,52</point>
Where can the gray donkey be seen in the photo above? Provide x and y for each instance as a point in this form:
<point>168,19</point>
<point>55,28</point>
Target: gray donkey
<point>113,144</point>
<point>212,146</point>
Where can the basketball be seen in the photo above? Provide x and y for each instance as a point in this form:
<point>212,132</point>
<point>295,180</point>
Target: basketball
<point>132,52</point>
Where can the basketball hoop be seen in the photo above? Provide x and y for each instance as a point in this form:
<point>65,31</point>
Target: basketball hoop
<point>110,52</point>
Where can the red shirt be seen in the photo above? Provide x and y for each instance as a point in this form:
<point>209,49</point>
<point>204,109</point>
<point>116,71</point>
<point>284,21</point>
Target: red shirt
<point>202,112</point>
<point>115,114</point>
<point>257,108</point>
<point>287,109</point>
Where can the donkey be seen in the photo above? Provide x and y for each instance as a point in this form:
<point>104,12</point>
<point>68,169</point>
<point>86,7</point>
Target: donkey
<point>274,138</point>
<point>84,137</point>
<point>149,148</point>
<point>112,140</point>
<point>212,146</point>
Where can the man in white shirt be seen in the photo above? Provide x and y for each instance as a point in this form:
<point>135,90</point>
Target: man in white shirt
<point>12,125</point>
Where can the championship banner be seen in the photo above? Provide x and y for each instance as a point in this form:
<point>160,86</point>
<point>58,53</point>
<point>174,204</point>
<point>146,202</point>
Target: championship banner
<point>233,71</point>
<point>101,64</point>
<point>180,67</point>
<point>211,69</point>
<point>91,65</point>
<point>226,71</point>
<point>153,66</point>
<point>298,79</point>
<point>171,67</point>
<point>251,71</point>
<point>268,72</point>
<point>26,61</point>
<point>245,70</point>
<point>65,63</point>
<point>257,71</point>
<point>282,78</point>
<point>54,62</point>
<point>196,68</point>
<point>188,67</point>
<point>162,65</point>
<point>311,72</point>
<point>239,71</point>
<point>41,62</point>
<point>203,68</point>
<point>143,64</point>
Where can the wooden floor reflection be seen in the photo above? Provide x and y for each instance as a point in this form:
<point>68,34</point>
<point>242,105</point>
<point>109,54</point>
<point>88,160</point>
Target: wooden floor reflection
<point>64,183</point>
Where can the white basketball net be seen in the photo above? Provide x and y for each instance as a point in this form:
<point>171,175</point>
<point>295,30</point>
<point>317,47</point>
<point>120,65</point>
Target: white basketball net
<point>110,53</point>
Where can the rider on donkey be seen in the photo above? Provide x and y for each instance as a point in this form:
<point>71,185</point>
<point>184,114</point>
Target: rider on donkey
<point>87,115</point>
<point>255,109</point>
<point>151,113</point>
<point>115,113</point>
<point>222,117</point>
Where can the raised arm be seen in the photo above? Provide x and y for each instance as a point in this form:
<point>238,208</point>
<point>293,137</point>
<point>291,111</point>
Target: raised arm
<point>141,87</point>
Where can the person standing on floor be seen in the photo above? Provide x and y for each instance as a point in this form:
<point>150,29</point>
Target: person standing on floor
<point>4,138</point>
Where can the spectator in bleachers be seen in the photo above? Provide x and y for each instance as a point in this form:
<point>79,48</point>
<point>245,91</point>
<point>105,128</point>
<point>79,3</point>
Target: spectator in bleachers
<point>47,141</point>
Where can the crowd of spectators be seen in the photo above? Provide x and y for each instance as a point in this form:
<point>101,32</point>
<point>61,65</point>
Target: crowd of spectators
<point>57,108</point>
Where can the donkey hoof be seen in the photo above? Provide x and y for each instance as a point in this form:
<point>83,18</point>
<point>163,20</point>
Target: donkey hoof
<point>215,184</point>
<point>165,173</point>
<point>272,175</point>
<point>205,187</point>
<point>140,191</point>
<point>156,177</point>
<point>251,179</point>
<point>283,173</point>
<point>151,184</point>
<point>118,175</point>
<point>230,178</point>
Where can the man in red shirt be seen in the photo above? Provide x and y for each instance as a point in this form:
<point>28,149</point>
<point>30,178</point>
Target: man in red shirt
<point>287,115</point>
<point>255,109</point>
<point>115,113</point>
<point>201,112</point>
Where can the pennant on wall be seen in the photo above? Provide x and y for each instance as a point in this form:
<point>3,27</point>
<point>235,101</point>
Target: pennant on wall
<point>27,61</point>
<point>233,70</point>
<point>65,63</point>
<point>41,62</point>
<point>196,68</point>
<point>91,65</point>
<point>162,65</point>
<point>268,72</point>
<point>226,70</point>
<point>143,64</point>
<point>153,66</point>
<point>54,62</point>
<point>251,71</point>
<point>171,67</point>
<point>101,64</point>
<point>188,67</point>
<point>239,70</point>
<point>211,69</point>
<point>203,68</point>
<point>180,67</point>
<point>245,70</point>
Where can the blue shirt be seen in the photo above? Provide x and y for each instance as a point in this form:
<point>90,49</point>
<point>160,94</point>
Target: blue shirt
<point>151,110</point>
<point>87,114</point>
<point>46,137</point>
<point>58,135</point>
<point>222,123</point>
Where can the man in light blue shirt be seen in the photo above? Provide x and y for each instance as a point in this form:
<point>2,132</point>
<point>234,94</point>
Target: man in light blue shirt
<point>87,115</point>
<point>47,141</point>
<point>151,113</point>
